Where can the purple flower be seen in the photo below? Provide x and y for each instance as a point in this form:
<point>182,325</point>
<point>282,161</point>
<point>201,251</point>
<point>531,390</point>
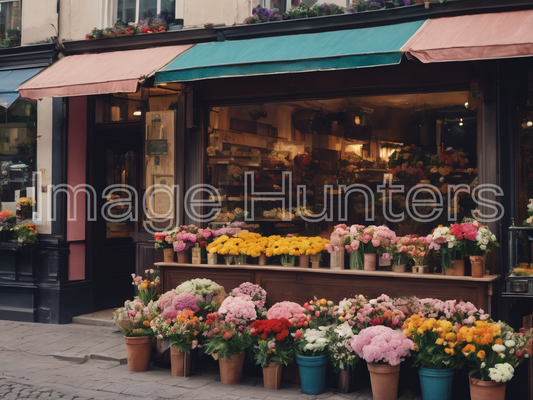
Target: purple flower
<point>185,301</point>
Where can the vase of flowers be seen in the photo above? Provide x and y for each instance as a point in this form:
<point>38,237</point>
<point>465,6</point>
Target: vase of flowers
<point>371,238</point>
<point>272,348</point>
<point>485,241</point>
<point>147,289</point>
<point>25,207</point>
<point>336,246</point>
<point>435,354</point>
<point>494,350</point>
<point>7,221</point>
<point>134,321</point>
<point>383,349</point>
<point>164,240</point>
<point>343,359</point>
<point>312,358</point>
<point>227,339</point>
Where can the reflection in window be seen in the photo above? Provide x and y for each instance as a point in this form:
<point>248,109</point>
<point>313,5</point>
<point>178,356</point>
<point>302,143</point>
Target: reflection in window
<point>18,147</point>
<point>126,11</point>
<point>9,24</point>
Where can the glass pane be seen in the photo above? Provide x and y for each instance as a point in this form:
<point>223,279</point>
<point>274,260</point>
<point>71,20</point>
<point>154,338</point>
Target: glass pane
<point>113,108</point>
<point>168,10</point>
<point>17,153</point>
<point>126,11</point>
<point>121,170</point>
<point>10,24</point>
<point>147,9</point>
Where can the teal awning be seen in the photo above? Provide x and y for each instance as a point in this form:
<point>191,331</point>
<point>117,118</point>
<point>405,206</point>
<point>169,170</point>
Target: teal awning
<point>11,80</point>
<point>354,48</point>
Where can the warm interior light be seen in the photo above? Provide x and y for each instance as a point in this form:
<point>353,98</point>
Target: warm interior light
<point>357,120</point>
<point>137,113</point>
<point>466,104</point>
<point>460,124</point>
<point>529,123</point>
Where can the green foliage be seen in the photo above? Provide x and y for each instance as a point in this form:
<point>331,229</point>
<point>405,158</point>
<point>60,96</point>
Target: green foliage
<point>229,343</point>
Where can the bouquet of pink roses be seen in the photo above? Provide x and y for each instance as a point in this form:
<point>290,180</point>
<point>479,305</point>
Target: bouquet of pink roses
<point>289,310</point>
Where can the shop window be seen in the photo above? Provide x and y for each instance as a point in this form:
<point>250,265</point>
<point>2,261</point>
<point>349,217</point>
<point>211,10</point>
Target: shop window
<point>9,23</point>
<point>327,145</point>
<point>18,147</point>
<point>135,10</point>
<point>118,107</point>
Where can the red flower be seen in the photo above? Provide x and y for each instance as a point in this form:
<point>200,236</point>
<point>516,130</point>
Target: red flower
<point>264,336</point>
<point>298,335</point>
<point>279,337</point>
<point>203,244</point>
<point>227,335</point>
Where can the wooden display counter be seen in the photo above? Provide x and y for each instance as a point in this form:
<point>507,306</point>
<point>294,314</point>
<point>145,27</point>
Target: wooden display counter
<point>301,284</point>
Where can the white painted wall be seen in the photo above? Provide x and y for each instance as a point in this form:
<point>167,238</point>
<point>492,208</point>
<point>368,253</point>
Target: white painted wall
<point>79,17</point>
<point>229,12</point>
<point>37,17</point>
<point>44,161</point>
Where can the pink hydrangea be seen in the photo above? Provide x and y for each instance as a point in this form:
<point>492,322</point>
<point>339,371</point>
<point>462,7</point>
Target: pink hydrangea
<point>166,300</point>
<point>185,301</point>
<point>381,344</point>
<point>255,292</point>
<point>241,308</point>
<point>294,312</point>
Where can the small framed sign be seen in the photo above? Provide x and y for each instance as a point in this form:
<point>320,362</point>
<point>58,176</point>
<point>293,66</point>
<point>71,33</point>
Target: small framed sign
<point>156,147</point>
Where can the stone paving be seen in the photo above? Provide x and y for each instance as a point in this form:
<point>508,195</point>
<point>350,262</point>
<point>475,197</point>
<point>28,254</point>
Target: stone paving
<point>81,362</point>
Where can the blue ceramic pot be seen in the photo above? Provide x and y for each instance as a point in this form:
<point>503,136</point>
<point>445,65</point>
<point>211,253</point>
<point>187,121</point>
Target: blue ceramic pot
<point>436,384</point>
<point>313,373</point>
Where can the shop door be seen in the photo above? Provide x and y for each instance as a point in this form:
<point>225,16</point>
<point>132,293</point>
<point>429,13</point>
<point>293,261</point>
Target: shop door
<point>115,176</point>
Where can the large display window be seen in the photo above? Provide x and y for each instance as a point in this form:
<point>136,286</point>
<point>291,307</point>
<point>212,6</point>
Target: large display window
<point>325,148</point>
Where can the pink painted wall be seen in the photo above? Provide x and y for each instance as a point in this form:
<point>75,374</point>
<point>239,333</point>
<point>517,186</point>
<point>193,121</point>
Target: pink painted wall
<point>76,174</point>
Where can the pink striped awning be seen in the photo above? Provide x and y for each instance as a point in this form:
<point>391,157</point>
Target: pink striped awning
<point>474,37</point>
<point>88,74</point>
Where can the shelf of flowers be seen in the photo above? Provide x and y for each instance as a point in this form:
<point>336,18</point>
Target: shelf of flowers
<point>435,335</point>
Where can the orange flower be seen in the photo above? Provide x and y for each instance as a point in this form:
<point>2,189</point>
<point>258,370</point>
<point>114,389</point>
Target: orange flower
<point>481,354</point>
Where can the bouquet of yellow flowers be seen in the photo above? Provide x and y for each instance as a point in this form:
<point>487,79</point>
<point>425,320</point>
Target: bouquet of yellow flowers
<point>26,201</point>
<point>435,342</point>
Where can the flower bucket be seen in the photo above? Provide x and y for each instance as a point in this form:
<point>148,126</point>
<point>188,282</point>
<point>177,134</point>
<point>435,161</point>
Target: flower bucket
<point>458,267</point>
<point>478,266</point>
<point>484,390</point>
<point>315,261</point>
<point>212,258</point>
<point>240,259</point>
<point>337,258</point>
<point>370,261</point>
<point>356,261</point>
<point>138,350</point>
<point>228,259</point>
<point>436,384</point>
<point>287,260</point>
<point>399,268</point>
<point>272,376</point>
<point>304,261</point>
<point>346,381</point>
<point>231,370</point>
<point>180,362</point>
<point>182,257</point>
<point>262,259</point>
<point>313,373</point>
<point>168,255</point>
<point>384,379</point>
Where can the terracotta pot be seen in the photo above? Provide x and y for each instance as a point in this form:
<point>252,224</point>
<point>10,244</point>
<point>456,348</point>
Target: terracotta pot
<point>478,266</point>
<point>138,350</point>
<point>304,261</point>
<point>168,255</point>
<point>262,259</point>
<point>484,390</point>
<point>399,268</point>
<point>180,362</point>
<point>384,380</point>
<point>370,262</point>
<point>272,376</point>
<point>458,267</point>
<point>182,257</point>
<point>231,370</point>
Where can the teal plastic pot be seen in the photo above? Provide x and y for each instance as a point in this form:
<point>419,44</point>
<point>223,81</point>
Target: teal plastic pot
<point>436,384</point>
<point>313,373</point>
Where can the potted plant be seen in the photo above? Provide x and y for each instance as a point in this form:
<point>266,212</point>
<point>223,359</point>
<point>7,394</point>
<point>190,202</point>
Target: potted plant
<point>134,321</point>
<point>484,242</point>
<point>418,251</point>
<point>227,342</point>
<point>343,359</point>
<point>399,248</point>
<point>7,221</point>
<point>312,358</point>
<point>209,295</point>
<point>434,354</point>
<point>494,350</point>
<point>256,293</point>
<point>273,348</point>
<point>184,237</point>
<point>164,240</point>
<point>383,349</point>
<point>319,312</point>
<point>371,238</point>
<point>183,331</point>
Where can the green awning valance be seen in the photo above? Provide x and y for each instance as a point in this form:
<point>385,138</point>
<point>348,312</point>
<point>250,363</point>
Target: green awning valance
<point>355,48</point>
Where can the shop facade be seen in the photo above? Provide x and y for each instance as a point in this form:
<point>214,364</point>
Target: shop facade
<point>327,125</point>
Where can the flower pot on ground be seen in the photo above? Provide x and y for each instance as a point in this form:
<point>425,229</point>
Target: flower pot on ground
<point>231,368</point>
<point>168,254</point>
<point>312,373</point>
<point>478,266</point>
<point>370,261</point>
<point>138,350</point>
<point>343,359</point>
<point>484,390</point>
<point>384,379</point>
<point>346,381</point>
<point>436,384</point>
<point>272,376</point>
<point>180,362</point>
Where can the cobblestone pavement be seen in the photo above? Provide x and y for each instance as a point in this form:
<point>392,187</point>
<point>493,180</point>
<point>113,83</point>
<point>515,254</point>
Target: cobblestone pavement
<point>81,362</point>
